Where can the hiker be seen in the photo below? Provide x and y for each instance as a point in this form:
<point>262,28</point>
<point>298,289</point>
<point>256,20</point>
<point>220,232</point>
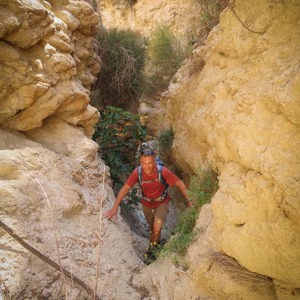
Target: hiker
<point>155,197</point>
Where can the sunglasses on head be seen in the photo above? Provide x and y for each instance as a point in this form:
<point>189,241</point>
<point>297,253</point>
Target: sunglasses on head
<point>147,152</point>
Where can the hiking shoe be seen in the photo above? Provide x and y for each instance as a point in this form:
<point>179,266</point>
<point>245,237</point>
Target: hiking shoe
<point>150,254</point>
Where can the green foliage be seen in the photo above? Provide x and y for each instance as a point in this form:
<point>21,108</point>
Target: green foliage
<point>165,140</point>
<point>211,10</point>
<point>165,57</point>
<point>161,49</point>
<point>202,188</point>
<point>118,134</point>
<point>133,198</point>
<point>121,77</point>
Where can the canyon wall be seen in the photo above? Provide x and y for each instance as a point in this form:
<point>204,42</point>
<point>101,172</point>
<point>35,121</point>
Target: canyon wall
<point>48,63</point>
<point>53,184</point>
<point>234,108</point>
<point>181,17</point>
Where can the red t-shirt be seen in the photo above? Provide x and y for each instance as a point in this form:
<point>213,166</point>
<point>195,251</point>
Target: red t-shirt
<point>153,190</point>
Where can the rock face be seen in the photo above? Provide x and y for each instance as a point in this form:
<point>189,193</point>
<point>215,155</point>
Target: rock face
<point>234,108</point>
<point>52,195</point>
<point>142,16</point>
<point>48,63</point>
<point>53,185</point>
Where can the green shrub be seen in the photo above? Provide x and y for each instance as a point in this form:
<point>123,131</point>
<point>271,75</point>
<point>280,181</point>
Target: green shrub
<point>202,188</point>
<point>161,50</point>
<point>118,134</point>
<point>121,77</point>
<point>165,57</point>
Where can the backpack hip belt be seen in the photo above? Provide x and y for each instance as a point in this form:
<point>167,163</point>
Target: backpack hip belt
<point>161,198</point>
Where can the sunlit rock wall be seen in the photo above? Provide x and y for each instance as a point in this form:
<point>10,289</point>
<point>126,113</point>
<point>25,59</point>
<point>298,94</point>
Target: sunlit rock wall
<point>48,62</point>
<point>143,16</point>
<point>53,185</point>
<point>235,108</point>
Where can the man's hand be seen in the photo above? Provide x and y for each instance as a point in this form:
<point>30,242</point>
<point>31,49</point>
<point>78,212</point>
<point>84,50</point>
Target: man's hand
<point>111,214</point>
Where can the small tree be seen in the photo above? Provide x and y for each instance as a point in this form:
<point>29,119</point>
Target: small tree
<point>165,57</point>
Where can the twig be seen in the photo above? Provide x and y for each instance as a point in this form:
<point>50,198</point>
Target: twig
<point>239,19</point>
<point>47,260</point>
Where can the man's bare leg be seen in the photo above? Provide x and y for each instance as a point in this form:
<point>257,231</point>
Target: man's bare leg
<point>156,232</point>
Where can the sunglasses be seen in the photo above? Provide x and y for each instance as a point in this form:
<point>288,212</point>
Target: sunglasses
<point>147,152</point>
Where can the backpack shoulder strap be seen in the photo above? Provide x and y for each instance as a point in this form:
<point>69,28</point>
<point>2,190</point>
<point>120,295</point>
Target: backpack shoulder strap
<point>160,177</point>
<point>140,175</point>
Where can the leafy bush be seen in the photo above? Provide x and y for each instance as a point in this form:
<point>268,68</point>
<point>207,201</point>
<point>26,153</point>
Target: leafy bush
<point>202,188</point>
<point>121,78</point>
<point>118,134</point>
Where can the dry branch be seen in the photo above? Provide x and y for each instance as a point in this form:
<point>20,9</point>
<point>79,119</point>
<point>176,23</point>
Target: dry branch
<point>48,260</point>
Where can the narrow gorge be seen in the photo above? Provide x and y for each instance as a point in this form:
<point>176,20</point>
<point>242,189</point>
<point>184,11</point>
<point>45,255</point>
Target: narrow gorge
<point>233,107</point>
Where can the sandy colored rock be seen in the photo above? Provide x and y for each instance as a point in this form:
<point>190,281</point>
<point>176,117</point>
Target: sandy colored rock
<point>53,185</point>
<point>203,274</point>
<point>249,120</point>
<point>237,113</point>
<point>234,108</point>
<point>182,17</point>
<point>42,65</point>
<point>53,199</point>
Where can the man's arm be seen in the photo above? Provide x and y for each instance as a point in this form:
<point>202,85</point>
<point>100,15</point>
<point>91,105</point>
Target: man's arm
<point>113,212</point>
<point>181,186</point>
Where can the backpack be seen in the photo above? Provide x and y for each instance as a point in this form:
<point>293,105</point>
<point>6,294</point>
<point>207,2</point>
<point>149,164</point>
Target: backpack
<point>159,165</point>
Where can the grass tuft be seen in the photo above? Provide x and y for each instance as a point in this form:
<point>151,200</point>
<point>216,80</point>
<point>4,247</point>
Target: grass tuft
<point>238,272</point>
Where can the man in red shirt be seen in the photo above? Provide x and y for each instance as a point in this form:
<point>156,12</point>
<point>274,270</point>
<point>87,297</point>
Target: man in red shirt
<point>154,202</point>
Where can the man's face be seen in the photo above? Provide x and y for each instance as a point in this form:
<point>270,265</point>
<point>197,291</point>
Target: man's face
<point>148,163</point>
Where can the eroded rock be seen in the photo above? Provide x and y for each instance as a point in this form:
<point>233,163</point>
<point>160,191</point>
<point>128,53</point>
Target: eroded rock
<point>238,113</point>
<point>44,69</point>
